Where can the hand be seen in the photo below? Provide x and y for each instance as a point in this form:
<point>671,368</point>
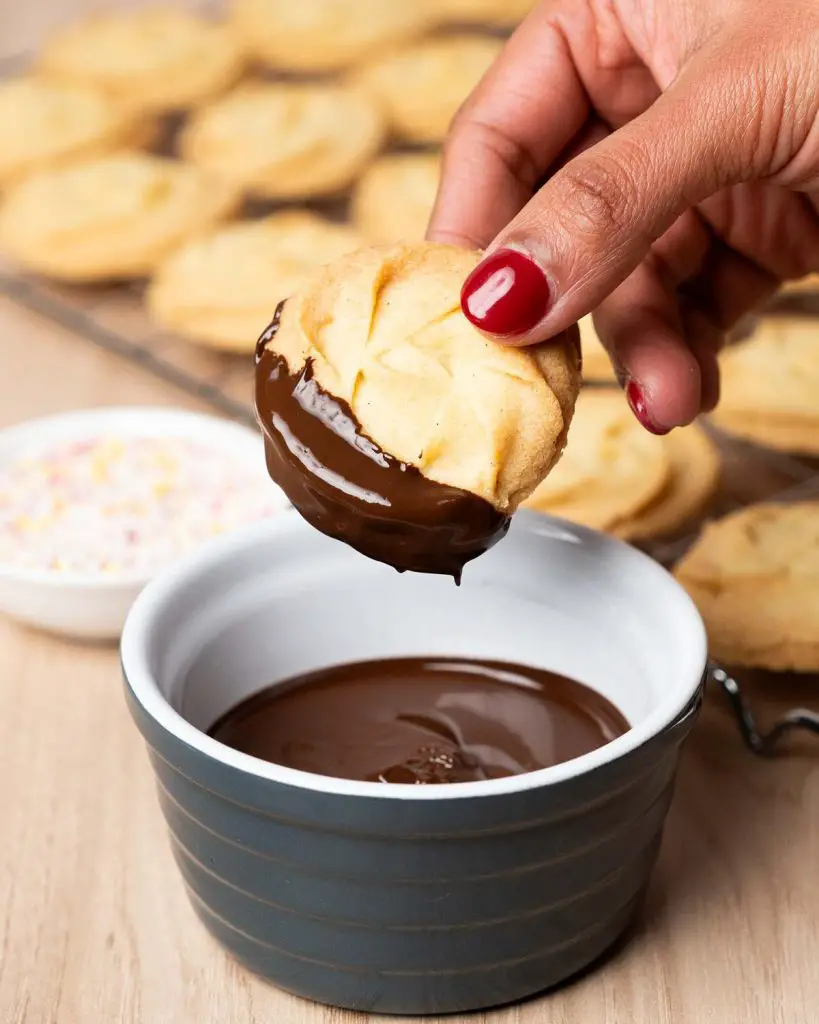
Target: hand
<point>676,146</point>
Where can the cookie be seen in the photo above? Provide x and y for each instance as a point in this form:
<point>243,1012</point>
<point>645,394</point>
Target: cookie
<point>285,141</point>
<point>383,331</point>
<point>597,366</point>
<point>422,86</point>
<point>325,35</point>
<point>692,482</point>
<point>221,290</point>
<point>611,470</point>
<point>770,386</point>
<point>502,13</point>
<point>157,58</point>
<point>45,124</point>
<point>113,217</point>
<point>754,576</point>
<point>394,198</point>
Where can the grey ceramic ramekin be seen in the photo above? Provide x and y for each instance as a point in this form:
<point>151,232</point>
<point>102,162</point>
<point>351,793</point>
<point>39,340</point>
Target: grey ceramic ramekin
<point>413,899</point>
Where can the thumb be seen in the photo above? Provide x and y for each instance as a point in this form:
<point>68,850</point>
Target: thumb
<point>593,223</point>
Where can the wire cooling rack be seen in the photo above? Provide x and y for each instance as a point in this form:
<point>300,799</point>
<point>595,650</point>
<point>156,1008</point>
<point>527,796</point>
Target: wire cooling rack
<point>114,319</point>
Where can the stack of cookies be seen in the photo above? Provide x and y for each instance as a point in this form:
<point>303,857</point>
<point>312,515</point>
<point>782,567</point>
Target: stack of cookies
<point>615,476</point>
<point>278,104</point>
<point>770,386</point>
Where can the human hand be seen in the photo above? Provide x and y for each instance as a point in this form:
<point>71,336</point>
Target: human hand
<point>677,147</point>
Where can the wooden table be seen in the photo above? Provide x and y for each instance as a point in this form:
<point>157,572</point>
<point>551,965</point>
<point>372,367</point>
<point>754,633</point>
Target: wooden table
<point>95,927</point>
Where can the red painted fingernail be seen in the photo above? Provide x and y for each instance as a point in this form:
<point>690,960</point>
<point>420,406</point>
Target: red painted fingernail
<point>506,294</point>
<point>637,400</point>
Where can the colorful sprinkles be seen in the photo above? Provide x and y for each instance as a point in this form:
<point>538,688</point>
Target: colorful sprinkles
<point>130,505</point>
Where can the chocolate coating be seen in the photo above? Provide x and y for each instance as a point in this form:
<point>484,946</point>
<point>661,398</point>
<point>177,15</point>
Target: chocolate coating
<point>422,721</point>
<point>345,485</point>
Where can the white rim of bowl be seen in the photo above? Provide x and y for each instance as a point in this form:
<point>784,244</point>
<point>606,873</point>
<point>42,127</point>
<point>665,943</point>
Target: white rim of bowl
<point>149,606</point>
<point>94,421</point>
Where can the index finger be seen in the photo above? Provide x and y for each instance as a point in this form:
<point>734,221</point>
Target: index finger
<point>526,110</point>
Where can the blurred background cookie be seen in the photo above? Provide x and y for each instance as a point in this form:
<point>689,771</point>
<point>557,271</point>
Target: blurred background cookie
<point>503,13</point>
<point>770,386</point>
<point>597,366</point>
<point>109,218</point>
<point>754,576</point>
<point>281,141</point>
<point>43,124</point>
<point>393,199</point>
<point>158,58</point>
<point>617,477</point>
<point>326,35</point>
<point>221,290</point>
<point>422,86</point>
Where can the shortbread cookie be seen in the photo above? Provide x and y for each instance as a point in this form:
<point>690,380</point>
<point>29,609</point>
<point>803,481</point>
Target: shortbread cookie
<point>44,124</point>
<point>485,12</point>
<point>325,35</point>
<point>392,423</point>
<point>596,361</point>
<point>612,467</point>
<point>157,58</point>
<point>422,86</point>
<point>692,483</point>
<point>113,217</point>
<point>770,385</point>
<point>394,198</point>
<point>284,141</point>
<point>222,289</point>
<point>754,576</point>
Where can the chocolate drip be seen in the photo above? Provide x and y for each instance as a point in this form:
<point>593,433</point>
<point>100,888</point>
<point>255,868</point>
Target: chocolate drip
<point>422,721</point>
<point>345,485</point>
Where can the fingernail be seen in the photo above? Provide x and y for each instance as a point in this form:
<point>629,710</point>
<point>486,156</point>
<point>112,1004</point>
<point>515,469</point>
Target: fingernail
<point>637,400</point>
<point>506,294</point>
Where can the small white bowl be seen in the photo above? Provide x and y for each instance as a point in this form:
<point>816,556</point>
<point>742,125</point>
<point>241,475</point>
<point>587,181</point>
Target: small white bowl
<point>94,606</point>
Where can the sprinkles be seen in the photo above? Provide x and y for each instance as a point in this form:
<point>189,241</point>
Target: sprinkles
<point>131,505</point>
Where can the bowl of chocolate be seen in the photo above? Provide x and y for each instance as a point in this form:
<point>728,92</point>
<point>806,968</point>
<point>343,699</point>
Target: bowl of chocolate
<point>390,794</point>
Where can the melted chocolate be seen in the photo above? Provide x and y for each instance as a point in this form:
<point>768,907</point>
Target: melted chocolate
<point>345,485</point>
<point>422,721</point>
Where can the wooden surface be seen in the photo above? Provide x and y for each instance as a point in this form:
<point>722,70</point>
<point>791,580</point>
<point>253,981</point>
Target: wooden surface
<point>94,924</point>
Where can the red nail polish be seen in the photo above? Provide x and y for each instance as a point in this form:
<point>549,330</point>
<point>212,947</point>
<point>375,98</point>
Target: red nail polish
<point>636,399</point>
<point>506,294</point>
